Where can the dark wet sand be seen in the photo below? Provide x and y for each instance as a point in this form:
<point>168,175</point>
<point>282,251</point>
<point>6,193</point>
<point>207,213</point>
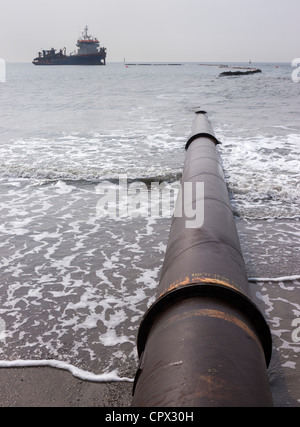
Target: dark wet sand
<point>50,387</point>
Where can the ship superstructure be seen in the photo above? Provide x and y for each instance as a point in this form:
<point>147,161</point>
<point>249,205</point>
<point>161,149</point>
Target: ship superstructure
<point>89,53</point>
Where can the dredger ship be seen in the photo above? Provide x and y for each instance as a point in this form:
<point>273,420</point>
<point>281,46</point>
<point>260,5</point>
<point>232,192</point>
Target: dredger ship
<point>89,53</point>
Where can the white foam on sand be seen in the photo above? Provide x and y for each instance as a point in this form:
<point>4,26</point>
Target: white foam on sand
<point>274,279</point>
<point>74,284</point>
<point>112,376</point>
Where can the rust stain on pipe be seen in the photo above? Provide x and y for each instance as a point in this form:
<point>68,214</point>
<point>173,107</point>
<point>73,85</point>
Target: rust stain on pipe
<point>199,278</point>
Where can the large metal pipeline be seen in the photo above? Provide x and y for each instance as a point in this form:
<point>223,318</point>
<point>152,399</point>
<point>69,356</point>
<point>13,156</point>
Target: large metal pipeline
<point>203,343</point>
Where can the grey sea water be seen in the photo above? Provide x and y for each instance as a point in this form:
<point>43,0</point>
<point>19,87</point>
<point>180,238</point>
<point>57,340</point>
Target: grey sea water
<point>74,285</point>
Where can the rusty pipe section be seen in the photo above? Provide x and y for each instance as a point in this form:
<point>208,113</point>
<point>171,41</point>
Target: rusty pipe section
<point>203,342</point>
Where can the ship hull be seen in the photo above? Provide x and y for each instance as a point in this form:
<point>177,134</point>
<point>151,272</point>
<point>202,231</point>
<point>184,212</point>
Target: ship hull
<point>71,60</point>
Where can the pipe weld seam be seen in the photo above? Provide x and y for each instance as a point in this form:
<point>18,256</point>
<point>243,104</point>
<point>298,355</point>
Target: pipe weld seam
<point>235,298</point>
<point>201,135</point>
<point>198,244</point>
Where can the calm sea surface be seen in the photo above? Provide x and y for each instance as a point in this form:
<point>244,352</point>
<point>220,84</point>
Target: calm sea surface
<point>75,284</point>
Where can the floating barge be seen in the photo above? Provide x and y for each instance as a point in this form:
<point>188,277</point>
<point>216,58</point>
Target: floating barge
<point>89,53</point>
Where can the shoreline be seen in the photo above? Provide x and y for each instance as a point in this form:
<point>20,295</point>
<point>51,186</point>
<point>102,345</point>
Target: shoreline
<point>51,387</point>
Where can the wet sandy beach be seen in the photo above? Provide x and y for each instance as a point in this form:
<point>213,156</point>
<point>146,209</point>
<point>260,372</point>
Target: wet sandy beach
<point>50,387</point>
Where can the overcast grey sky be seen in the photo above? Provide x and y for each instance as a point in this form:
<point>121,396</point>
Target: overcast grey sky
<point>155,30</point>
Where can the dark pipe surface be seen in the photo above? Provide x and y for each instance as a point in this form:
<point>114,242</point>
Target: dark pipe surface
<point>203,342</point>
